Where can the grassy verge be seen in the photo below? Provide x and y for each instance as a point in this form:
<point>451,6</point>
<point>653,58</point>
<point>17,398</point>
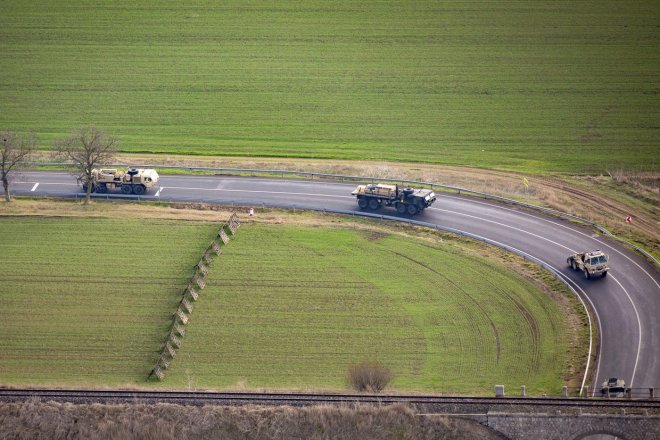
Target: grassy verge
<point>292,303</point>
<point>521,86</point>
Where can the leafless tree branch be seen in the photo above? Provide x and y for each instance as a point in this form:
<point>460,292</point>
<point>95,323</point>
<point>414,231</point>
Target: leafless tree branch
<point>87,148</point>
<point>14,149</point>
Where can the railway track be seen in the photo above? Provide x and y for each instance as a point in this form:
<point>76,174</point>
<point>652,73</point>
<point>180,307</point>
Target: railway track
<point>445,404</point>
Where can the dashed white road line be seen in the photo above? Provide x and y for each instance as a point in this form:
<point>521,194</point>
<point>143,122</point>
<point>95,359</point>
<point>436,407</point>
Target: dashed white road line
<point>35,187</point>
<point>159,190</point>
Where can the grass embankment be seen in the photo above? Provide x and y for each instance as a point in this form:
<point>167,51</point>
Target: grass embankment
<point>54,421</point>
<point>86,302</point>
<point>532,86</point>
<point>293,302</point>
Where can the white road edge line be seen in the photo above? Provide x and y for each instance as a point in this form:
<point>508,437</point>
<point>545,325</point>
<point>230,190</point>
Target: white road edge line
<point>35,187</point>
<point>572,230</point>
<point>533,258</point>
<point>639,322</point>
<point>505,226</point>
<point>159,190</point>
<point>639,327</point>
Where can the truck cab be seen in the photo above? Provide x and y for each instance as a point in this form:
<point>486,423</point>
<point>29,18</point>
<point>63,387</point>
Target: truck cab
<point>410,201</point>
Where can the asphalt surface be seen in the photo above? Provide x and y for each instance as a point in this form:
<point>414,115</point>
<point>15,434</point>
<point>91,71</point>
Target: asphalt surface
<point>626,303</point>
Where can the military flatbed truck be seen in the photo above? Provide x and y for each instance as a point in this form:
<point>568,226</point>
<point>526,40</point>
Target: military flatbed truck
<point>407,200</point>
<point>592,264</point>
<point>133,181</point>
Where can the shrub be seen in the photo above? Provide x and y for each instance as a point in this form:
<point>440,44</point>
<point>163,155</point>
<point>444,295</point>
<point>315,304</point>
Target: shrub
<point>369,376</point>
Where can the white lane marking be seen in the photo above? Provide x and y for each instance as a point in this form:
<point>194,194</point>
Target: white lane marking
<point>567,280</point>
<point>639,322</point>
<point>35,187</point>
<point>51,183</point>
<point>639,328</point>
<point>565,227</point>
<point>159,190</point>
<point>262,192</point>
<point>505,226</point>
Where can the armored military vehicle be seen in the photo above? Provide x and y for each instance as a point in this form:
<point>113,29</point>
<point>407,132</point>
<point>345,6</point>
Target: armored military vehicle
<point>592,264</point>
<point>613,387</point>
<point>133,181</point>
<point>407,200</point>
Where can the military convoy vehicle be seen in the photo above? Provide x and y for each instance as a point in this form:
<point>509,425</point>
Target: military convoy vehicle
<point>407,200</point>
<point>133,181</point>
<point>613,387</point>
<point>592,264</point>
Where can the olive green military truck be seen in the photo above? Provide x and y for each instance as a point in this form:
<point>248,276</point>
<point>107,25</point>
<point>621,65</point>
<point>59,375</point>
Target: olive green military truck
<point>592,264</point>
<point>133,181</point>
<point>406,200</point>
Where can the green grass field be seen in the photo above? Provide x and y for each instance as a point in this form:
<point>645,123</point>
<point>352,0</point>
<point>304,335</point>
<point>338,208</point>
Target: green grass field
<point>88,302</point>
<point>291,306</point>
<point>539,87</point>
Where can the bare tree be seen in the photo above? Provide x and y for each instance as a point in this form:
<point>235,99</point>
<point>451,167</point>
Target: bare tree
<point>87,148</point>
<point>15,149</point>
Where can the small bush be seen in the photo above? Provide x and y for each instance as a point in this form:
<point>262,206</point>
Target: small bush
<point>369,376</point>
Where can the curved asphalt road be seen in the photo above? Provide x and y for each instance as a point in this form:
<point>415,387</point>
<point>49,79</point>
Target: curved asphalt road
<point>626,302</point>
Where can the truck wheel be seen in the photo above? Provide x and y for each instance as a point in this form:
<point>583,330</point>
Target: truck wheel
<point>412,209</point>
<point>574,265</point>
<point>401,208</point>
<point>604,274</point>
<point>408,191</point>
<point>101,188</point>
<point>363,203</point>
<point>126,189</point>
<point>586,274</point>
<point>138,190</point>
<point>373,204</point>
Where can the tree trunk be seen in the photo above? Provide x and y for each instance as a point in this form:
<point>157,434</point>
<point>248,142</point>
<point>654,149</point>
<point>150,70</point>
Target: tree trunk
<point>88,193</point>
<point>5,184</point>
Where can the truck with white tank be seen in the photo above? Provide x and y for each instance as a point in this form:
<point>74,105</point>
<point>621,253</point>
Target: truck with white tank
<point>132,181</point>
<point>406,201</point>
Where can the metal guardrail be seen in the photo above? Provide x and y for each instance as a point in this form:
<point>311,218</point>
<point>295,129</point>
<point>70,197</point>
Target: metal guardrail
<point>311,175</point>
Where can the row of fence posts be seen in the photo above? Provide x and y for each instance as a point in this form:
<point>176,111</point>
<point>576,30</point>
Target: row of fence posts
<point>628,393</point>
<point>190,294</point>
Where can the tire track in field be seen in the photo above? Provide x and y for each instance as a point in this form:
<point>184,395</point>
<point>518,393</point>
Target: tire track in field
<point>529,317</point>
<point>459,288</point>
